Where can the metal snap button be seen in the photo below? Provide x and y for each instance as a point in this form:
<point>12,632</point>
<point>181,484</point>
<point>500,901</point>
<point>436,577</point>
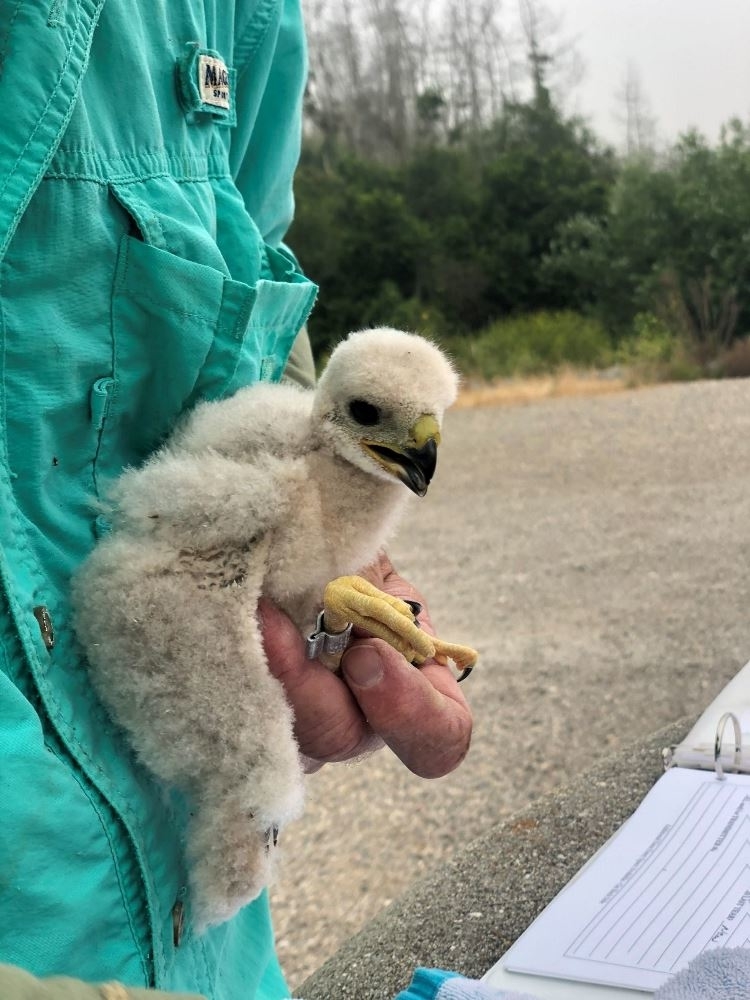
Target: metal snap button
<point>44,620</point>
<point>178,922</point>
<point>102,526</point>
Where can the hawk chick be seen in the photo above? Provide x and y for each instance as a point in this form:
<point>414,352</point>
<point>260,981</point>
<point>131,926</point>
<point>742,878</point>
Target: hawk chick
<point>273,492</point>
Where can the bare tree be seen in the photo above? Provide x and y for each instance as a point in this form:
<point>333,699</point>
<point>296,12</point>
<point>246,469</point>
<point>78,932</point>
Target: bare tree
<point>635,116</point>
<point>363,74</point>
<point>387,74</point>
<point>553,64</point>
<point>473,65</point>
<point>392,72</point>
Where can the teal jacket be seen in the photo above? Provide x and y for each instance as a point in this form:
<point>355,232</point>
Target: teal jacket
<point>146,155</point>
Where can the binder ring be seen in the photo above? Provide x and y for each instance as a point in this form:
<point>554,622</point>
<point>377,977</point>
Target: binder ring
<point>722,724</point>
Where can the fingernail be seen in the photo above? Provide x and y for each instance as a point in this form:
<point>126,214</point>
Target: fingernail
<point>362,666</point>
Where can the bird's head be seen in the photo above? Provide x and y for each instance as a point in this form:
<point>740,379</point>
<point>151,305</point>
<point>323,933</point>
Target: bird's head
<point>380,402</point>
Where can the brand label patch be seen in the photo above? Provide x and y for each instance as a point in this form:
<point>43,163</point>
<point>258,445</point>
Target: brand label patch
<point>205,86</point>
<point>213,81</point>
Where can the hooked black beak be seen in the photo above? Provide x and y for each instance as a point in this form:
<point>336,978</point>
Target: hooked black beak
<point>413,463</point>
<point>415,467</point>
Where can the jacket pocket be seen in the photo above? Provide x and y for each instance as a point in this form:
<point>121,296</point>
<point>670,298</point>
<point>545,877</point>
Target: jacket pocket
<point>167,314</point>
<point>184,330</point>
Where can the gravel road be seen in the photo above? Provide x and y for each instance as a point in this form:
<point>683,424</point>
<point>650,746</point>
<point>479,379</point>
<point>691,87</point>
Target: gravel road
<point>596,552</point>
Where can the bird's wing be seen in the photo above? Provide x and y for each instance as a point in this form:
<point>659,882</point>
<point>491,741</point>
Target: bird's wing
<point>208,499</point>
<point>266,418</point>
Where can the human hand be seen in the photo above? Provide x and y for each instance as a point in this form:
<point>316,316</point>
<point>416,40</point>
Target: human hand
<point>421,714</point>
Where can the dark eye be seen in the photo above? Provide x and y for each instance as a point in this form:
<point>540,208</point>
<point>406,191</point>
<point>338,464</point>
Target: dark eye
<point>364,413</point>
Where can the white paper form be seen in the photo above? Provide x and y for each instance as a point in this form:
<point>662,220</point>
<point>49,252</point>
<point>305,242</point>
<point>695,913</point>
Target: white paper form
<point>673,882</point>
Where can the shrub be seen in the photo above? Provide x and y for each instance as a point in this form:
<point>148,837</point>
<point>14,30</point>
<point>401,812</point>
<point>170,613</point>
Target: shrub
<point>389,308</point>
<point>735,361</point>
<point>534,343</point>
<point>651,344</point>
<point>654,352</point>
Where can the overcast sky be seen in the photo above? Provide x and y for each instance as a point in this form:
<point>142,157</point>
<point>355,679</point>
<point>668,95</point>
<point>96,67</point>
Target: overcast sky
<point>692,58</point>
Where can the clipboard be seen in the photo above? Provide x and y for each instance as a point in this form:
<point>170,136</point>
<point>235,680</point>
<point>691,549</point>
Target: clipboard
<point>667,885</point>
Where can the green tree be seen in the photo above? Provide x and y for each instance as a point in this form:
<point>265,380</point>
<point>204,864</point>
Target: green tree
<point>673,241</point>
<point>459,232</point>
<point>356,236</point>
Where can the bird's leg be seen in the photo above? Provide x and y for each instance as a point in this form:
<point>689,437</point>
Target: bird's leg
<point>351,599</point>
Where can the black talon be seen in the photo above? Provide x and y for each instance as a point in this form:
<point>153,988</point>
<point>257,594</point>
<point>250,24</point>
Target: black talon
<point>464,674</point>
<point>416,609</point>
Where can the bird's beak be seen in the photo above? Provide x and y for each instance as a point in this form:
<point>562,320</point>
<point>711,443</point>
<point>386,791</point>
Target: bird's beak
<point>413,464</point>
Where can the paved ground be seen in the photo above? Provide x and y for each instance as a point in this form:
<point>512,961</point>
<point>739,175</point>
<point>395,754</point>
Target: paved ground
<point>596,551</point>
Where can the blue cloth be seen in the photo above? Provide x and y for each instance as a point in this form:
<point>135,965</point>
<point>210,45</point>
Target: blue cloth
<point>437,984</point>
<point>719,974</point>
<point>426,984</point>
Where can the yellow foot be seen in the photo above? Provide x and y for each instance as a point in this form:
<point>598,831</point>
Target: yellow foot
<point>353,599</point>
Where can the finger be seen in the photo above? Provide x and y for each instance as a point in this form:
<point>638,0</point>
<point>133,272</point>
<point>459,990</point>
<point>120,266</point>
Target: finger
<point>328,723</point>
<point>420,714</point>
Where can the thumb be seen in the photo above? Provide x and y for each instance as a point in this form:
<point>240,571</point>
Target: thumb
<point>327,721</point>
<point>419,712</point>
